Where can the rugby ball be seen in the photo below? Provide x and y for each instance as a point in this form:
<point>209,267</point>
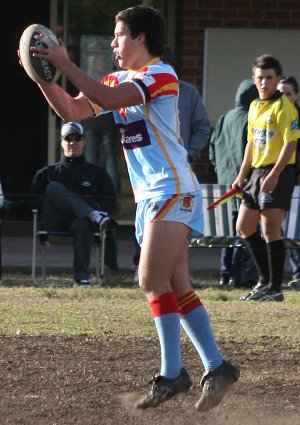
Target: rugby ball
<point>40,70</point>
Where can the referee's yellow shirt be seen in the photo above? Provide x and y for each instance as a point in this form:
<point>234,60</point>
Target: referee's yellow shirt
<point>271,124</point>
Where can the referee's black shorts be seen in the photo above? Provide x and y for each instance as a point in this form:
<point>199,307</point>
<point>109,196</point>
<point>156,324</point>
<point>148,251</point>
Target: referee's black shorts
<point>280,198</point>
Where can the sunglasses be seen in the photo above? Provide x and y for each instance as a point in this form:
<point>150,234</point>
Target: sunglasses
<point>73,138</point>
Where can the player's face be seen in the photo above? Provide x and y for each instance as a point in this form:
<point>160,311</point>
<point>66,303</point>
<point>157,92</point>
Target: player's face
<point>289,91</point>
<point>266,81</point>
<point>126,49</point>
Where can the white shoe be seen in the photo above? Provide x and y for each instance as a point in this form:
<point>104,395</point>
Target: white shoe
<point>258,288</point>
<point>135,278</point>
<point>101,219</point>
<point>85,283</point>
<point>294,284</point>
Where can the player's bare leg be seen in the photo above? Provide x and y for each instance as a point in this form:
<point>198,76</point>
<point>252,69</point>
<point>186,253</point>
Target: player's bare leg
<point>163,251</point>
<point>177,289</point>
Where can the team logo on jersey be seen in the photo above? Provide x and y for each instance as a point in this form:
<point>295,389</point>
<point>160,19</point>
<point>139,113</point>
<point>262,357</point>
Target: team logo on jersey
<point>186,203</point>
<point>269,119</point>
<point>135,135</point>
<point>148,80</point>
<point>262,137</point>
<point>266,197</point>
<point>294,125</point>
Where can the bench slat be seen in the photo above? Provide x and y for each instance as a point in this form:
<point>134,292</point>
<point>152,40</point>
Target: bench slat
<point>218,227</point>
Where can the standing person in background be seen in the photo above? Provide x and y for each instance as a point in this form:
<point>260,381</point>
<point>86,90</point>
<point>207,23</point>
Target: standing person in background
<point>226,151</point>
<point>144,97</point>
<point>195,128</point>
<point>273,132</point>
<point>289,86</point>
<point>74,195</point>
<point>102,136</point>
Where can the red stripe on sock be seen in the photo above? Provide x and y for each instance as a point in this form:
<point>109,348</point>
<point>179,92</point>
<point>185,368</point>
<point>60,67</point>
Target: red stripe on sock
<point>188,302</point>
<point>164,304</point>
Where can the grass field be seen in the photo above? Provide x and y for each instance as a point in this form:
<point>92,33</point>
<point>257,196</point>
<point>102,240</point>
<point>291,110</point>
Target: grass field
<point>117,310</point>
<point>116,320</point>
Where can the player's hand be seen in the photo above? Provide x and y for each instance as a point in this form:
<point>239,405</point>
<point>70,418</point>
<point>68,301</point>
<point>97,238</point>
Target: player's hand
<point>239,183</point>
<point>20,62</point>
<point>269,183</point>
<point>55,53</point>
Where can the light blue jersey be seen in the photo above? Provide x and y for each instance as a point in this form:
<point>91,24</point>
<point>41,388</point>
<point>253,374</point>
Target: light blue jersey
<point>156,159</point>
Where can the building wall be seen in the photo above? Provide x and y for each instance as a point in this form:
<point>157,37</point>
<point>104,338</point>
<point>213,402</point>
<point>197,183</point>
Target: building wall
<point>194,16</point>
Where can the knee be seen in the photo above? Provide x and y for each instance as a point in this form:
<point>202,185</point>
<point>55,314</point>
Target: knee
<point>153,285</point>
<point>144,283</point>
<point>244,229</point>
<point>239,230</point>
<point>83,224</point>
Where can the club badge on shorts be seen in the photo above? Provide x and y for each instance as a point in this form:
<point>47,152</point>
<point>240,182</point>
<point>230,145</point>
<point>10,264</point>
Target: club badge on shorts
<point>186,203</point>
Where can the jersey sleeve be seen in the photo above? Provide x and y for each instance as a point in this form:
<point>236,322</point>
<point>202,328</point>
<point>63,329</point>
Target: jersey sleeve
<point>109,80</point>
<point>156,84</point>
<point>288,123</point>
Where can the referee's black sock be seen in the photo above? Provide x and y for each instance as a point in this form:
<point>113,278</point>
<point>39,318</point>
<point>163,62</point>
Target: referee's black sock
<point>258,250</point>
<point>276,257</point>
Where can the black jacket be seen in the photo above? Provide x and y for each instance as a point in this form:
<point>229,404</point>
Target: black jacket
<point>229,138</point>
<point>91,182</point>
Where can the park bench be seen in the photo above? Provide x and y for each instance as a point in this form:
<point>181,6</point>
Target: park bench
<point>219,231</point>
<point>44,237</point>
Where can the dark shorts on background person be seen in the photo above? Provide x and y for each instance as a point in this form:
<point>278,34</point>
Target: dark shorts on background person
<point>280,198</point>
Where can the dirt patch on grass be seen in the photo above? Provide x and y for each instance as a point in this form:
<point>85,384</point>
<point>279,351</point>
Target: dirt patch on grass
<point>81,380</point>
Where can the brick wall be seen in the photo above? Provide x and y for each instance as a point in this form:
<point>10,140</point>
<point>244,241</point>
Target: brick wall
<point>194,16</point>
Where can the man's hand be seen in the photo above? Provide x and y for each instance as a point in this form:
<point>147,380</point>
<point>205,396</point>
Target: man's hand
<point>55,53</point>
<point>269,183</point>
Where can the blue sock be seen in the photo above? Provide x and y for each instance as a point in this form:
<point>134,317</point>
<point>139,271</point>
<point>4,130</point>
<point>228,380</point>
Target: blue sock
<point>167,320</point>
<point>168,329</point>
<point>197,326</point>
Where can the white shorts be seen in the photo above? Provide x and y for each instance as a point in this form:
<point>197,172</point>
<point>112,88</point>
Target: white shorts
<point>186,209</point>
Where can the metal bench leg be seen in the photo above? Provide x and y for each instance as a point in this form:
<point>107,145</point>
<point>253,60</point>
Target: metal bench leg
<point>103,237</point>
<point>44,260</point>
<point>33,268</point>
<point>97,259</point>
<point>0,249</point>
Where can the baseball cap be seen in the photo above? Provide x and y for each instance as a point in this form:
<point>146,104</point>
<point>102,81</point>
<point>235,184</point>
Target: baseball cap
<point>71,128</point>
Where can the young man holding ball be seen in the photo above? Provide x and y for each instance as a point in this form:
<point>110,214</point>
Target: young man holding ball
<point>144,98</point>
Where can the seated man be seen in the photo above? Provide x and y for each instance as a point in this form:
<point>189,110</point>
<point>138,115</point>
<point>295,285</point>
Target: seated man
<point>74,195</point>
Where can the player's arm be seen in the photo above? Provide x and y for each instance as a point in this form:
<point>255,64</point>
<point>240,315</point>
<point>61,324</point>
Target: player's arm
<point>66,106</point>
<point>108,98</point>
<point>245,167</point>
<point>271,179</point>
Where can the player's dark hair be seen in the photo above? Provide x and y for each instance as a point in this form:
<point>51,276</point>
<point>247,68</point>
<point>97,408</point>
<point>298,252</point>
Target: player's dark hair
<point>291,81</point>
<point>267,62</point>
<point>147,20</point>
